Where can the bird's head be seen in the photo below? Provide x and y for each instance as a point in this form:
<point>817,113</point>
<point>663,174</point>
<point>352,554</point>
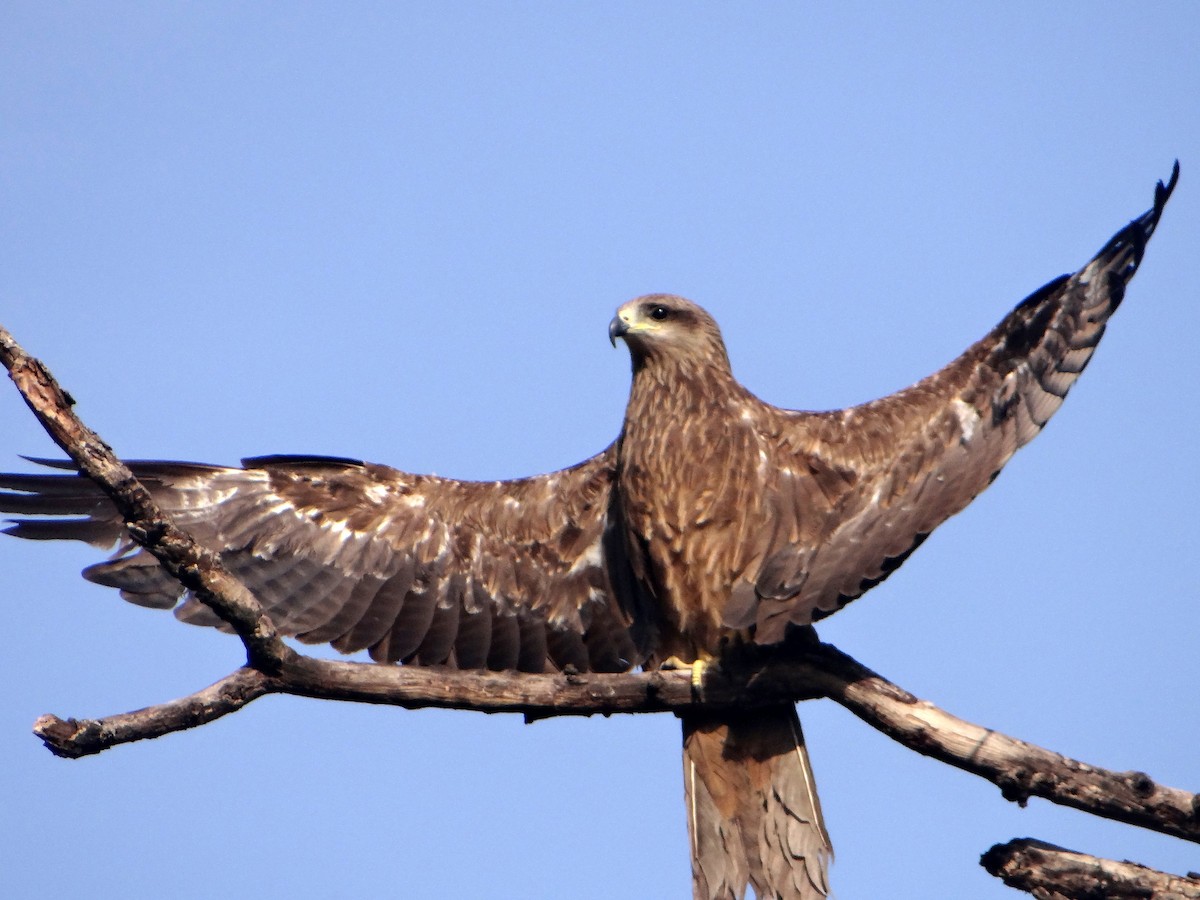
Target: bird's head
<point>663,328</point>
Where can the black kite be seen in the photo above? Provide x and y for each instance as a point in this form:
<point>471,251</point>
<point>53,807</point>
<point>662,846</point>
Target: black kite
<point>714,519</point>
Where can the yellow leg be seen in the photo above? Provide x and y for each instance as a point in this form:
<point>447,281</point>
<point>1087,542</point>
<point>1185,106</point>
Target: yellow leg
<point>698,668</point>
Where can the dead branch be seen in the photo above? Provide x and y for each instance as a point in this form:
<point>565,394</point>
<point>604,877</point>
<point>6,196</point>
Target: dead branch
<point>73,738</point>
<point>1021,770</point>
<point>1052,873</point>
<point>197,568</point>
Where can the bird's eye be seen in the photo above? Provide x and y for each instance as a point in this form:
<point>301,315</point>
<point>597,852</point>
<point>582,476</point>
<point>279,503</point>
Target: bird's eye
<point>659,313</point>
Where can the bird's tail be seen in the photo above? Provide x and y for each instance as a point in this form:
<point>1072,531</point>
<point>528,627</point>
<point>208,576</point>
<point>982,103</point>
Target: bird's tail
<point>753,813</point>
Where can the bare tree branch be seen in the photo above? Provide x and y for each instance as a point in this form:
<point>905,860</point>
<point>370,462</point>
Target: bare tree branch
<point>73,738</point>
<point>802,670</point>
<point>196,567</point>
<point>1021,770</point>
<point>1052,873</point>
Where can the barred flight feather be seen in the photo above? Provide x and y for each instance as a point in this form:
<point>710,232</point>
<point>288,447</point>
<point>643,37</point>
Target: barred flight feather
<point>714,518</point>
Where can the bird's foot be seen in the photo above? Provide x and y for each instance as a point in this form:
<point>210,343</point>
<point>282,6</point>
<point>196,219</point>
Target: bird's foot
<point>698,668</point>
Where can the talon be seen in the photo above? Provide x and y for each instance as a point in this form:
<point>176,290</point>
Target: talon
<point>697,668</point>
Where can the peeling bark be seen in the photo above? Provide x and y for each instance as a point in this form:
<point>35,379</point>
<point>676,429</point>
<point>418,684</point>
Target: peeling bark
<point>1053,873</point>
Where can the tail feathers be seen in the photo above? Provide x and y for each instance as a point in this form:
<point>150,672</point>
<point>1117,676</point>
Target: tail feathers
<point>754,818</point>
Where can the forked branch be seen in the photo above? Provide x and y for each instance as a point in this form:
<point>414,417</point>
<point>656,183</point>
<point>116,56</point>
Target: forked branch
<point>1021,770</point>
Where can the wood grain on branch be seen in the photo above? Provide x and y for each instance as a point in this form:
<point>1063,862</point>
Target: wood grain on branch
<point>1021,770</point>
<point>1052,873</point>
<point>73,738</point>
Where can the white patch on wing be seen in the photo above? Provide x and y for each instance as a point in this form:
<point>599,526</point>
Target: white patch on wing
<point>281,507</point>
<point>968,419</point>
<point>377,493</point>
<point>589,560</point>
<point>207,495</point>
<point>443,548</point>
<point>338,527</point>
<point>764,463</point>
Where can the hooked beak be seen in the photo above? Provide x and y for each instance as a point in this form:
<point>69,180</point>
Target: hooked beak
<point>618,327</point>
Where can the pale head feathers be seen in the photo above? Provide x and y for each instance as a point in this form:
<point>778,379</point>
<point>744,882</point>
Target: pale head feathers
<point>664,328</point>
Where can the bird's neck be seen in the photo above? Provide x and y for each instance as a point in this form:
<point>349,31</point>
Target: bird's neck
<point>678,418</point>
<point>666,394</point>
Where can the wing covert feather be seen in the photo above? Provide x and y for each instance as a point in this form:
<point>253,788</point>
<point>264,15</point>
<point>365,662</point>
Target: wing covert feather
<point>501,575</point>
<point>881,476</point>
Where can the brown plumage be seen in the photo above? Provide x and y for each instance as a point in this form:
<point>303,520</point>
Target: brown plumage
<point>713,520</point>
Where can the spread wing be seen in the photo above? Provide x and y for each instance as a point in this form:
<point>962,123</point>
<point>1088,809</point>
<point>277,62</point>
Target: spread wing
<point>857,490</point>
<point>498,575</point>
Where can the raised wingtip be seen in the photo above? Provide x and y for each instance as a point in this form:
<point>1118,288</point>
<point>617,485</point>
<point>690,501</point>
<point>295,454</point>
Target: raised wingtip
<point>1162,192</point>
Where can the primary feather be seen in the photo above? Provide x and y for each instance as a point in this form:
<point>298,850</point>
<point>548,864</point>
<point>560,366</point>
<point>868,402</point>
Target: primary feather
<point>714,516</point>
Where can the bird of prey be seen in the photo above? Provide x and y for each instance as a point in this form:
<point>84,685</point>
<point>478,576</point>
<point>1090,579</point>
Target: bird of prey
<point>714,521</point>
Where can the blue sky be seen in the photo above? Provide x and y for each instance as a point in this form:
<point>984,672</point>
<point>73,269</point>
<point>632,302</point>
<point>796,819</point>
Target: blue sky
<point>398,232</point>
